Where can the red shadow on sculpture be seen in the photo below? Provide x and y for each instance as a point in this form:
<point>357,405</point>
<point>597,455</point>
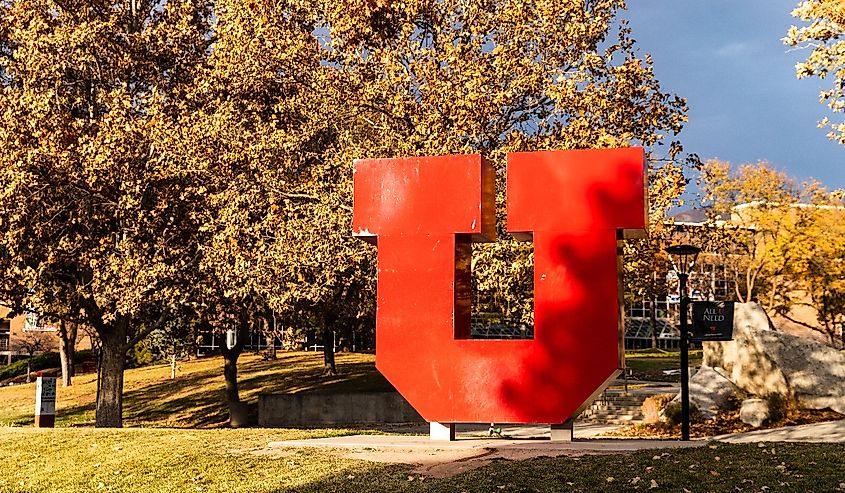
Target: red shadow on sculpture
<point>424,212</point>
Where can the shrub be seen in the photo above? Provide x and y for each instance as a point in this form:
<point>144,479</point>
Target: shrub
<point>653,405</point>
<point>82,355</point>
<point>778,407</point>
<point>40,361</point>
<point>734,401</point>
<point>140,355</point>
<point>674,415</point>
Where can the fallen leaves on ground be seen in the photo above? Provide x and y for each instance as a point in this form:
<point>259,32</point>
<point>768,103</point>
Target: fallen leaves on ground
<point>722,424</point>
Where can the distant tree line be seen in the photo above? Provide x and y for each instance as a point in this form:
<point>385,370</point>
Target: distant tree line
<point>783,242</point>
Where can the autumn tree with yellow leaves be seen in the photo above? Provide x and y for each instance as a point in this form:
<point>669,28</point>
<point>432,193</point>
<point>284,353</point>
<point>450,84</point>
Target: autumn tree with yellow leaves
<point>822,33</point>
<point>784,242</point>
<point>294,93</point>
<point>199,153</point>
<point>752,201</point>
<point>86,207</point>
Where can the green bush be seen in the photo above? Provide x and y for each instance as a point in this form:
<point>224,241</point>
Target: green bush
<point>81,356</point>
<point>674,415</point>
<point>778,407</point>
<point>140,355</point>
<point>39,362</point>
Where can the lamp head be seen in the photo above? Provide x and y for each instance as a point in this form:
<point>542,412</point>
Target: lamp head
<point>683,257</point>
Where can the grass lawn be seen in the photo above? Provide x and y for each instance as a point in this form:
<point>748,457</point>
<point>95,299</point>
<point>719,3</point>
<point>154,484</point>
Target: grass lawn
<point>161,454</point>
<point>648,364</point>
<point>164,460</point>
<point>195,398</point>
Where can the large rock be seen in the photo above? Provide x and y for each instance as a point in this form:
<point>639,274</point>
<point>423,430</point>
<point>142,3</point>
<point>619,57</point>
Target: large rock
<point>754,412</point>
<point>710,391</point>
<point>762,361</point>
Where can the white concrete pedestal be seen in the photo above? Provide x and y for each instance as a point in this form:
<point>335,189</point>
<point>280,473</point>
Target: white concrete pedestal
<point>444,432</point>
<point>562,432</point>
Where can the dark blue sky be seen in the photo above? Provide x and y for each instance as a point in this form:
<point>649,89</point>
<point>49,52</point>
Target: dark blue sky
<point>745,104</point>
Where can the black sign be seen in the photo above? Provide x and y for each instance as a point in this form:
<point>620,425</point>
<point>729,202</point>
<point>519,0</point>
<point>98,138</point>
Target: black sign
<point>712,320</point>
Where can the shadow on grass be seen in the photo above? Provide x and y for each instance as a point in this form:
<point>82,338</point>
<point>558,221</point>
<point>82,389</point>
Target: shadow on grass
<point>197,399</point>
<point>305,374</point>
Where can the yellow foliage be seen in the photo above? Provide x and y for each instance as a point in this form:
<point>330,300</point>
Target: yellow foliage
<point>823,34</point>
<point>164,156</point>
<point>784,241</point>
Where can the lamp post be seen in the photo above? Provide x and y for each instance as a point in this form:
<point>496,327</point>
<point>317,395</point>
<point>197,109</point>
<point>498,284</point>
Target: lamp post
<point>683,259</point>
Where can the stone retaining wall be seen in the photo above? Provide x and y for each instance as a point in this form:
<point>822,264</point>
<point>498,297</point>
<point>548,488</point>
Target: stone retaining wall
<point>316,409</point>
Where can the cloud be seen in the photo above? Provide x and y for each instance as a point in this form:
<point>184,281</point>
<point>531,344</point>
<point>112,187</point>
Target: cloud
<point>735,49</point>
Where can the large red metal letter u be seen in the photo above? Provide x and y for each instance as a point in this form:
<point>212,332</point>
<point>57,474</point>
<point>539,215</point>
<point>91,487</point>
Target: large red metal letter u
<point>424,212</point>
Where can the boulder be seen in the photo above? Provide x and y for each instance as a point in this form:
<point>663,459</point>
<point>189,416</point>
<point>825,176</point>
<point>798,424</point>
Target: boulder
<point>762,361</point>
<point>754,412</point>
<point>710,391</point>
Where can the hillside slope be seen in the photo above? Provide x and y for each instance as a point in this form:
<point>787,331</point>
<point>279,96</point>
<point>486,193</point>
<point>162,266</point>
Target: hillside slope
<point>195,398</point>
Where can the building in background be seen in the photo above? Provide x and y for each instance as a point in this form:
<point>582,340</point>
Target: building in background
<point>655,321</point>
<point>15,330</point>
<point>8,327</point>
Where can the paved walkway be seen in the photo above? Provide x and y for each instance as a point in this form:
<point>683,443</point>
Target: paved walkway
<point>468,452</point>
<point>423,443</point>
<point>828,432</point>
<point>474,448</point>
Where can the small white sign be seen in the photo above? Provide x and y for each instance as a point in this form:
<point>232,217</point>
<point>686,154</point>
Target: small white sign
<point>45,396</point>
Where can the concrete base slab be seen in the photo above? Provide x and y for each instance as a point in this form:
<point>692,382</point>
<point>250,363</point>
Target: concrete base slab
<point>446,458</point>
<point>562,432</point>
<point>537,432</point>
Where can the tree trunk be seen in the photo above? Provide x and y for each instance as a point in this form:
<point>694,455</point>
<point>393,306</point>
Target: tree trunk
<point>67,350</point>
<point>230,376</point>
<point>29,369</point>
<point>173,366</point>
<point>270,335</point>
<point>653,322</point>
<point>238,416</point>
<point>110,376</point>
<point>329,367</point>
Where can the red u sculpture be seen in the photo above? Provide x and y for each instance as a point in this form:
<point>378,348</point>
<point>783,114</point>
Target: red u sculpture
<point>423,213</point>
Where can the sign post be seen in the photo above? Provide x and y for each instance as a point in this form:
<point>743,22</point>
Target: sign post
<point>683,259</point>
<point>45,402</point>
